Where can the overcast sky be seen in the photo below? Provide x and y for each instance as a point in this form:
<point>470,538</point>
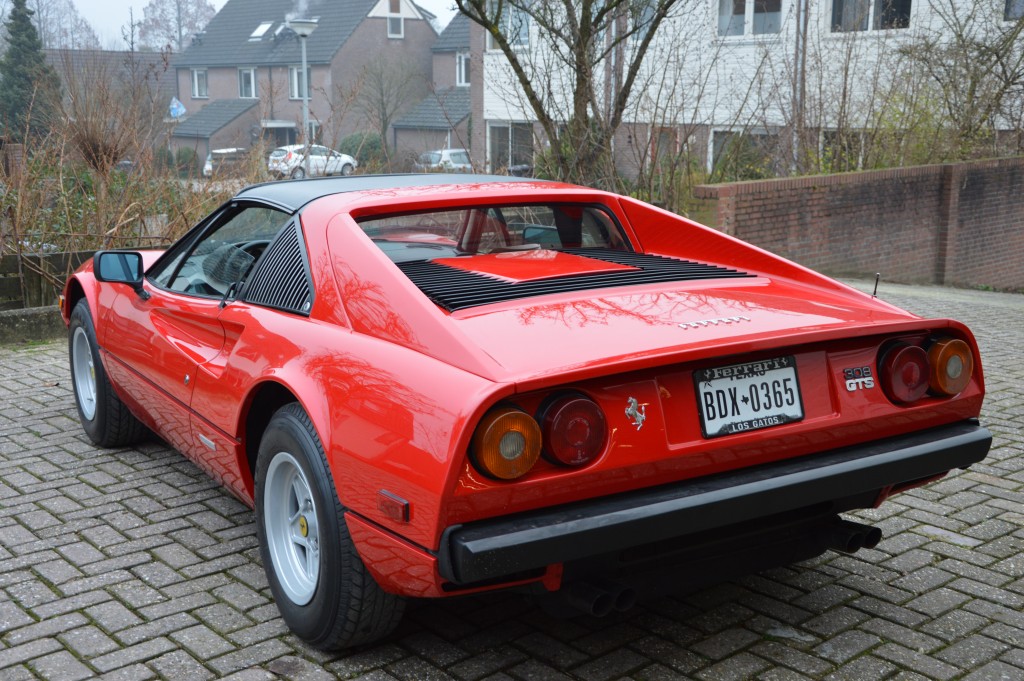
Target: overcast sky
<point>108,16</point>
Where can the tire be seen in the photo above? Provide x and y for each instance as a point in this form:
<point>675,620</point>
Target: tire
<point>105,418</point>
<point>346,169</point>
<point>299,173</point>
<point>325,594</point>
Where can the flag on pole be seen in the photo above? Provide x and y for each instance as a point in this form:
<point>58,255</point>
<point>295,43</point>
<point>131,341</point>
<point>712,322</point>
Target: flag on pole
<point>177,109</point>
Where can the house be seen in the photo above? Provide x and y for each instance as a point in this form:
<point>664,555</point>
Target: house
<point>240,81</point>
<point>441,119</point>
<point>762,83</point>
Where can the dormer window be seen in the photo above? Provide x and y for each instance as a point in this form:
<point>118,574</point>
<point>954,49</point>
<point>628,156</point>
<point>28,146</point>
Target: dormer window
<point>260,31</point>
<point>396,22</point>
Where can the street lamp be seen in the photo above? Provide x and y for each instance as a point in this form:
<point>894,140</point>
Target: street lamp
<point>302,28</point>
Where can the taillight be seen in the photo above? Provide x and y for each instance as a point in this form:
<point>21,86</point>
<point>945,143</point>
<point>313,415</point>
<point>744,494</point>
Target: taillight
<point>952,366</point>
<point>909,372</point>
<point>575,430</point>
<point>904,373</point>
<point>288,157</point>
<point>506,443</point>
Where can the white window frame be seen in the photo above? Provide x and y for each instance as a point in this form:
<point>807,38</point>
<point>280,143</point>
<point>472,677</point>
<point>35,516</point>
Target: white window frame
<point>512,15</point>
<point>197,92</point>
<point>748,27</point>
<point>462,68</point>
<point>870,19</point>
<point>252,80</point>
<point>294,72</point>
<point>510,127</point>
<point>396,22</point>
<point>260,31</point>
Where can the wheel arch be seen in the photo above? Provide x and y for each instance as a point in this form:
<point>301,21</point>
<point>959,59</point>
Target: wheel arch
<point>264,399</point>
<point>74,291</point>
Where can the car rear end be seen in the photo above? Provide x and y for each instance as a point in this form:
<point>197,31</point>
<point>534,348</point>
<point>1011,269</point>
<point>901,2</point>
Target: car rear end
<point>655,473</point>
<point>658,420</point>
<point>282,161</point>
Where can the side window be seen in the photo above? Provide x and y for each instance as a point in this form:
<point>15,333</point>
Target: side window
<point>224,255</point>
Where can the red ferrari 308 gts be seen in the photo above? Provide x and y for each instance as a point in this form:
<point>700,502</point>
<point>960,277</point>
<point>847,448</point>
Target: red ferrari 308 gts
<point>437,385</point>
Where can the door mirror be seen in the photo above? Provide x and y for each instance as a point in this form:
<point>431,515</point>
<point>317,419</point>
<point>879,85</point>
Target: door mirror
<point>124,267</point>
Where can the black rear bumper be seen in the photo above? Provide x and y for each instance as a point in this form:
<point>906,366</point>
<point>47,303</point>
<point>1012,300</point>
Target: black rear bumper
<point>511,545</point>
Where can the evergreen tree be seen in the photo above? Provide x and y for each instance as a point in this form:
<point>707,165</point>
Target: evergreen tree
<point>29,87</point>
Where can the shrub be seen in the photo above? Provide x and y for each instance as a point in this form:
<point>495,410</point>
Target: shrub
<point>187,162</point>
<point>365,147</point>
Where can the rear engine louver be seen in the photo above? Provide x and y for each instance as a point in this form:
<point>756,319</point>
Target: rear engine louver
<point>455,289</point>
<point>281,279</point>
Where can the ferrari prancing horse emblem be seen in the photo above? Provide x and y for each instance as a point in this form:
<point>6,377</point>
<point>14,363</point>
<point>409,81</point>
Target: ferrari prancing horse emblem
<point>636,412</point>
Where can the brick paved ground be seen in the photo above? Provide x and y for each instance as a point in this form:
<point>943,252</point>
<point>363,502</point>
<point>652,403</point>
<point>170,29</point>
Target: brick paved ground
<point>131,564</point>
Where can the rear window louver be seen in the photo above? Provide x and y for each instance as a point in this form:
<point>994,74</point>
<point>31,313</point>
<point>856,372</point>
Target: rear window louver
<point>281,279</point>
<point>455,289</point>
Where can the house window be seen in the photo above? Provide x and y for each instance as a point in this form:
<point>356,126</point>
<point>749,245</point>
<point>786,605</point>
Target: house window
<point>462,68</point>
<point>858,15</point>
<point>642,16</point>
<point>1014,10</point>
<point>511,147</point>
<point>746,155</point>
<point>295,84</point>
<point>749,17</point>
<point>260,31</point>
<point>514,24</point>
<point>199,87</point>
<point>247,83</point>
<point>396,23</point>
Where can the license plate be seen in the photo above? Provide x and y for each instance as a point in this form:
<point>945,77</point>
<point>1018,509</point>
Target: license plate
<point>743,397</point>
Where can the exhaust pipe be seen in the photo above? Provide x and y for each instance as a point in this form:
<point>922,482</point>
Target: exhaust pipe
<point>849,537</point>
<point>600,598</point>
<point>590,598</point>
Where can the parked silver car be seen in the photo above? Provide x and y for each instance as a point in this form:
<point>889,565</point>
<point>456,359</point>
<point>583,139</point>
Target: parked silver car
<point>443,160</point>
<point>289,162</point>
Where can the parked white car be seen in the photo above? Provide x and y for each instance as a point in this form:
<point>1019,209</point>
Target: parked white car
<point>443,160</point>
<point>220,160</point>
<point>289,162</point>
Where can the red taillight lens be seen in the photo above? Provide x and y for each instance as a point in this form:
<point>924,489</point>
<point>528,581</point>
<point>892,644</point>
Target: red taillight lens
<point>506,444</point>
<point>574,429</point>
<point>287,157</point>
<point>904,372</point>
<point>952,366</point>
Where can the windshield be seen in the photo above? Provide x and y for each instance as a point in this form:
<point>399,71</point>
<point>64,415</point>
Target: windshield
<point>430,158</point>
<point>481,230</point>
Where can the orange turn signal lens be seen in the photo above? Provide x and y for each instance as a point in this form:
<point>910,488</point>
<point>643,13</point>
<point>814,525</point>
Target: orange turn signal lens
<point>506,444</point>
<point>951,366</point>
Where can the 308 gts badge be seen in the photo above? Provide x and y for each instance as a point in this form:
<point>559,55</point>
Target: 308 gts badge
<point>858,378</point>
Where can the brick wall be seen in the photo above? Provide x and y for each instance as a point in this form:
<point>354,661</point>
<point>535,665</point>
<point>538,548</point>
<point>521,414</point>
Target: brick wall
<point>959,224</point>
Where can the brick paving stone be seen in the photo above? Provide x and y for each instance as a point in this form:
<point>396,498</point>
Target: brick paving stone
<point>61,666</point>
<point>295,668</point>
<point>847,645</point>
<point>995,671</point>
<point>178,664</point>
<point>132,564</point>
<point>88,642</point>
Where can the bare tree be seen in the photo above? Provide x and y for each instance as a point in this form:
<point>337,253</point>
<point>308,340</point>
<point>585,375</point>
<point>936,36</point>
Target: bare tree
<point>578,79</point>
<point>61,26</point>
<point>169,23</point>
<point>387,87</point>
<point>112,109</point>
<point>973,57</point>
